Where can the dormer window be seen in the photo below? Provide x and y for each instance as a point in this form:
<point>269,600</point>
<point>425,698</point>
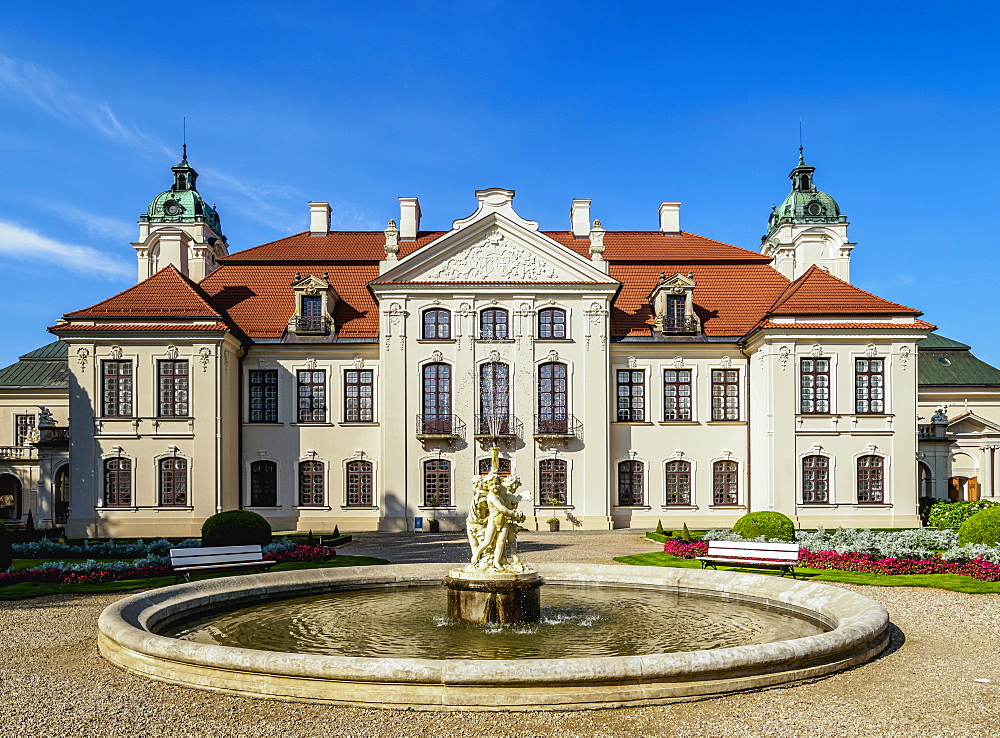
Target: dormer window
<point>672,302</point>
<point>314,303</point>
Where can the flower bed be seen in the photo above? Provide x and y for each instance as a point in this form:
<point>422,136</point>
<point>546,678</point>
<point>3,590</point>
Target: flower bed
<point>96,572</point>
<point>978,568</point>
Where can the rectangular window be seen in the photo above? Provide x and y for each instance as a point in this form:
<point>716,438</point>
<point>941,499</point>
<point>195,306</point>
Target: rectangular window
<point>263,484</point>
<point>173,482</point>
<point>117,482</point>
<point>264,396</point>
<point>552,323</point>
<point>816,479</point>
<point>814,386</point>
<point>24,427</point>
<point>311,483</point>
<point>725,394</point>
<point>116,383</point>
<point>677,394</point>
<point>871,480</point>
<point>631,395</point>
<point>173,384</point>
<point>869,386</point>
<point>312,396</point>
<point>359,393</point>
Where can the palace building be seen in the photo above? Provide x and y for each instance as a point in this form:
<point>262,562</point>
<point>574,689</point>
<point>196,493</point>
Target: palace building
<point>359,378</point>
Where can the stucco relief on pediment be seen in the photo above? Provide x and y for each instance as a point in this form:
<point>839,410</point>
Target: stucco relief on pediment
<point>495,258</point>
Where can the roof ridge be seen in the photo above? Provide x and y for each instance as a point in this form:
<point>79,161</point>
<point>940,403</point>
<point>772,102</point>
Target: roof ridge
<point>820,277</point>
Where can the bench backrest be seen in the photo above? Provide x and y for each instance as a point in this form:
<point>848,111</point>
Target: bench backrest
<point>214,555</point>
<point>754,550</point>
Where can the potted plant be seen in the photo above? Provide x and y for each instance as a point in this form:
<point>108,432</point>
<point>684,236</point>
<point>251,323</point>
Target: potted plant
<point>433,524</point>
<point>553,524</point>
<point>553,501</point>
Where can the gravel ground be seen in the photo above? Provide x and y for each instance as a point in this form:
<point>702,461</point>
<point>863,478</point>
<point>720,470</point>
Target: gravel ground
<point>53,683</point>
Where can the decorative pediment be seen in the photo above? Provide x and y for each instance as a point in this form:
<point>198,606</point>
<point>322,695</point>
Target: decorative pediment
<point>494,249</point>
<point>672,303</point>
<point>972,424</point>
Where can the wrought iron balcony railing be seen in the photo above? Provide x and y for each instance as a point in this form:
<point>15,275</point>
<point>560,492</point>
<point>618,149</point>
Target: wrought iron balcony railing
<point>554,425</point>
<point>318,324</point>
<point>682,324</point>
<point>498,426</point>
<point>439,426</point>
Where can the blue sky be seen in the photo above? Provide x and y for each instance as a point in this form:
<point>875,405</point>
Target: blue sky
<point>629,104</point>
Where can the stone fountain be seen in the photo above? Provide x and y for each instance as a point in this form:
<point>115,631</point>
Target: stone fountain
<point>495,587</point>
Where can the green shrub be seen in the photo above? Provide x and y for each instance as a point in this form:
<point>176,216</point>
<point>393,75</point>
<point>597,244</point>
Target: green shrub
<point>981,527</point>
<point>685,533</point>
<point>924,505</point>
<point>6,549</point>
<point>764,523</point>
<point>235,528</point>
<point>953,514</point>
<point>659,527</point>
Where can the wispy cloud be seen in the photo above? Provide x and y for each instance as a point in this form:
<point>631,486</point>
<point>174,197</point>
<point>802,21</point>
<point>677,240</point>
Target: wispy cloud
<point>98,226</point>
<point>267,203</point>
<point>59,98</point>
<point>24,245</point>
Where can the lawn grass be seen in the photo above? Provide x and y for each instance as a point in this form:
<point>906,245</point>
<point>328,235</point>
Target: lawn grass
<point>26,590</point>
<point>953,582</point>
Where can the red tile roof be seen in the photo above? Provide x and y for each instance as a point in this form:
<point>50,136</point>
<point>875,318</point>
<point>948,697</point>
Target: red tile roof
<point>917,325</point>
<point>168,293</point>
<point>736,289</point>
<point>820,293</point>
<point>172,327</point>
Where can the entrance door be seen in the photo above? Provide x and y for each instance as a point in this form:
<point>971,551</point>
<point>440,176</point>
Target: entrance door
<point>973,488</point>
<point>10,497</point>
<point>954,489</point>
<point>60,491</point>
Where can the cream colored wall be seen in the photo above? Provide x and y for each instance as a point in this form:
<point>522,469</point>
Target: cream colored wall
<point>145,438</point>
<point>782,435</point>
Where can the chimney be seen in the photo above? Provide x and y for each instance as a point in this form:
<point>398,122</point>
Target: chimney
<point>409,218</point>
<point>319,218</point>
<point>670,218</point>
<point>579,215</point>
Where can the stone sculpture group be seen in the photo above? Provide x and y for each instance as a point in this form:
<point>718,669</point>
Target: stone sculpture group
<point>492,524</point>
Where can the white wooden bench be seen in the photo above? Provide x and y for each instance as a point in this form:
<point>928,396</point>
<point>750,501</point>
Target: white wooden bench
<point>750,554</point>
<point>187,561</point>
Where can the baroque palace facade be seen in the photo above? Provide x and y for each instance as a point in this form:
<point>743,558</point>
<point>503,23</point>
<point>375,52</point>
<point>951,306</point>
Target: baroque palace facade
<point>358,378</point>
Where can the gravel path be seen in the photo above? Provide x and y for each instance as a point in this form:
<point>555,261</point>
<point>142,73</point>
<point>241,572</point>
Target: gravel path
<point>53,683</point>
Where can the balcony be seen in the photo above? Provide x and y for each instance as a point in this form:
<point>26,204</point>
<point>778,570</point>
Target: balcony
<point>503,427</point>
<point>434,427</point>
<point>18,453</point>
<point>680,324</point>
<point>312,325</point>
<point>549,428</point>
<point>52,436</point>
<point>932,432</point>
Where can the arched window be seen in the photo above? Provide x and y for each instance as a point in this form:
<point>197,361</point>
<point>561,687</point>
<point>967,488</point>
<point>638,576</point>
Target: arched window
<point>437,483</point>
<point>60,494</point>
<point>117,482</point>
<point>173,482</point>
<point>815,479</point>
<point>312,484</point>
<point>552,323</point>
<point>10,497</point>
<point>678,482</point>
<point>494,399</point>
<point>436,417</point>
<point>552,482</point>
<point>871,479</point>
<point>437,324</point>
<point>630,483</point>
<point>553,410</point>
<point>493,323</point>
<point>725,483</point>
<point>360,483</point>
<point>486,464</point>
<point>263,484</point>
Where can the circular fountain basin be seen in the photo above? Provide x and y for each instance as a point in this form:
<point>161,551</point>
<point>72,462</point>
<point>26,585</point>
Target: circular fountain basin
<point>134,634</point>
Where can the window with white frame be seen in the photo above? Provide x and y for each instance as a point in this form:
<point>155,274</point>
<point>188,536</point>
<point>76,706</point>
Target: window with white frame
<point>871,479</point>
<point>312,483</point>
<point>552,482</point>
<point>312,395</point>
<point>678,482</point>
<point>869,386</point>
<point>173,479</point>
<point>437,483</point>
<point>359,396</point>
<point>263,484</point>
<point>677,394</point>
<point>360,483</point>
<point>815,479</point>
<point>725,483</point>
<point>263,396</point>
<point>24,428</point>
<point>118,482</point>
<point>725,394</point>
<point>630,483</point>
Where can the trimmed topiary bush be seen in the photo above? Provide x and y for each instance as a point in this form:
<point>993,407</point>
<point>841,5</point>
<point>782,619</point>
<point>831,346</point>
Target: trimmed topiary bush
<point>953,514</point>
<point>767,524</point>
<point>235,528</point>
<point>981,527</point>
<point>6,549</point>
